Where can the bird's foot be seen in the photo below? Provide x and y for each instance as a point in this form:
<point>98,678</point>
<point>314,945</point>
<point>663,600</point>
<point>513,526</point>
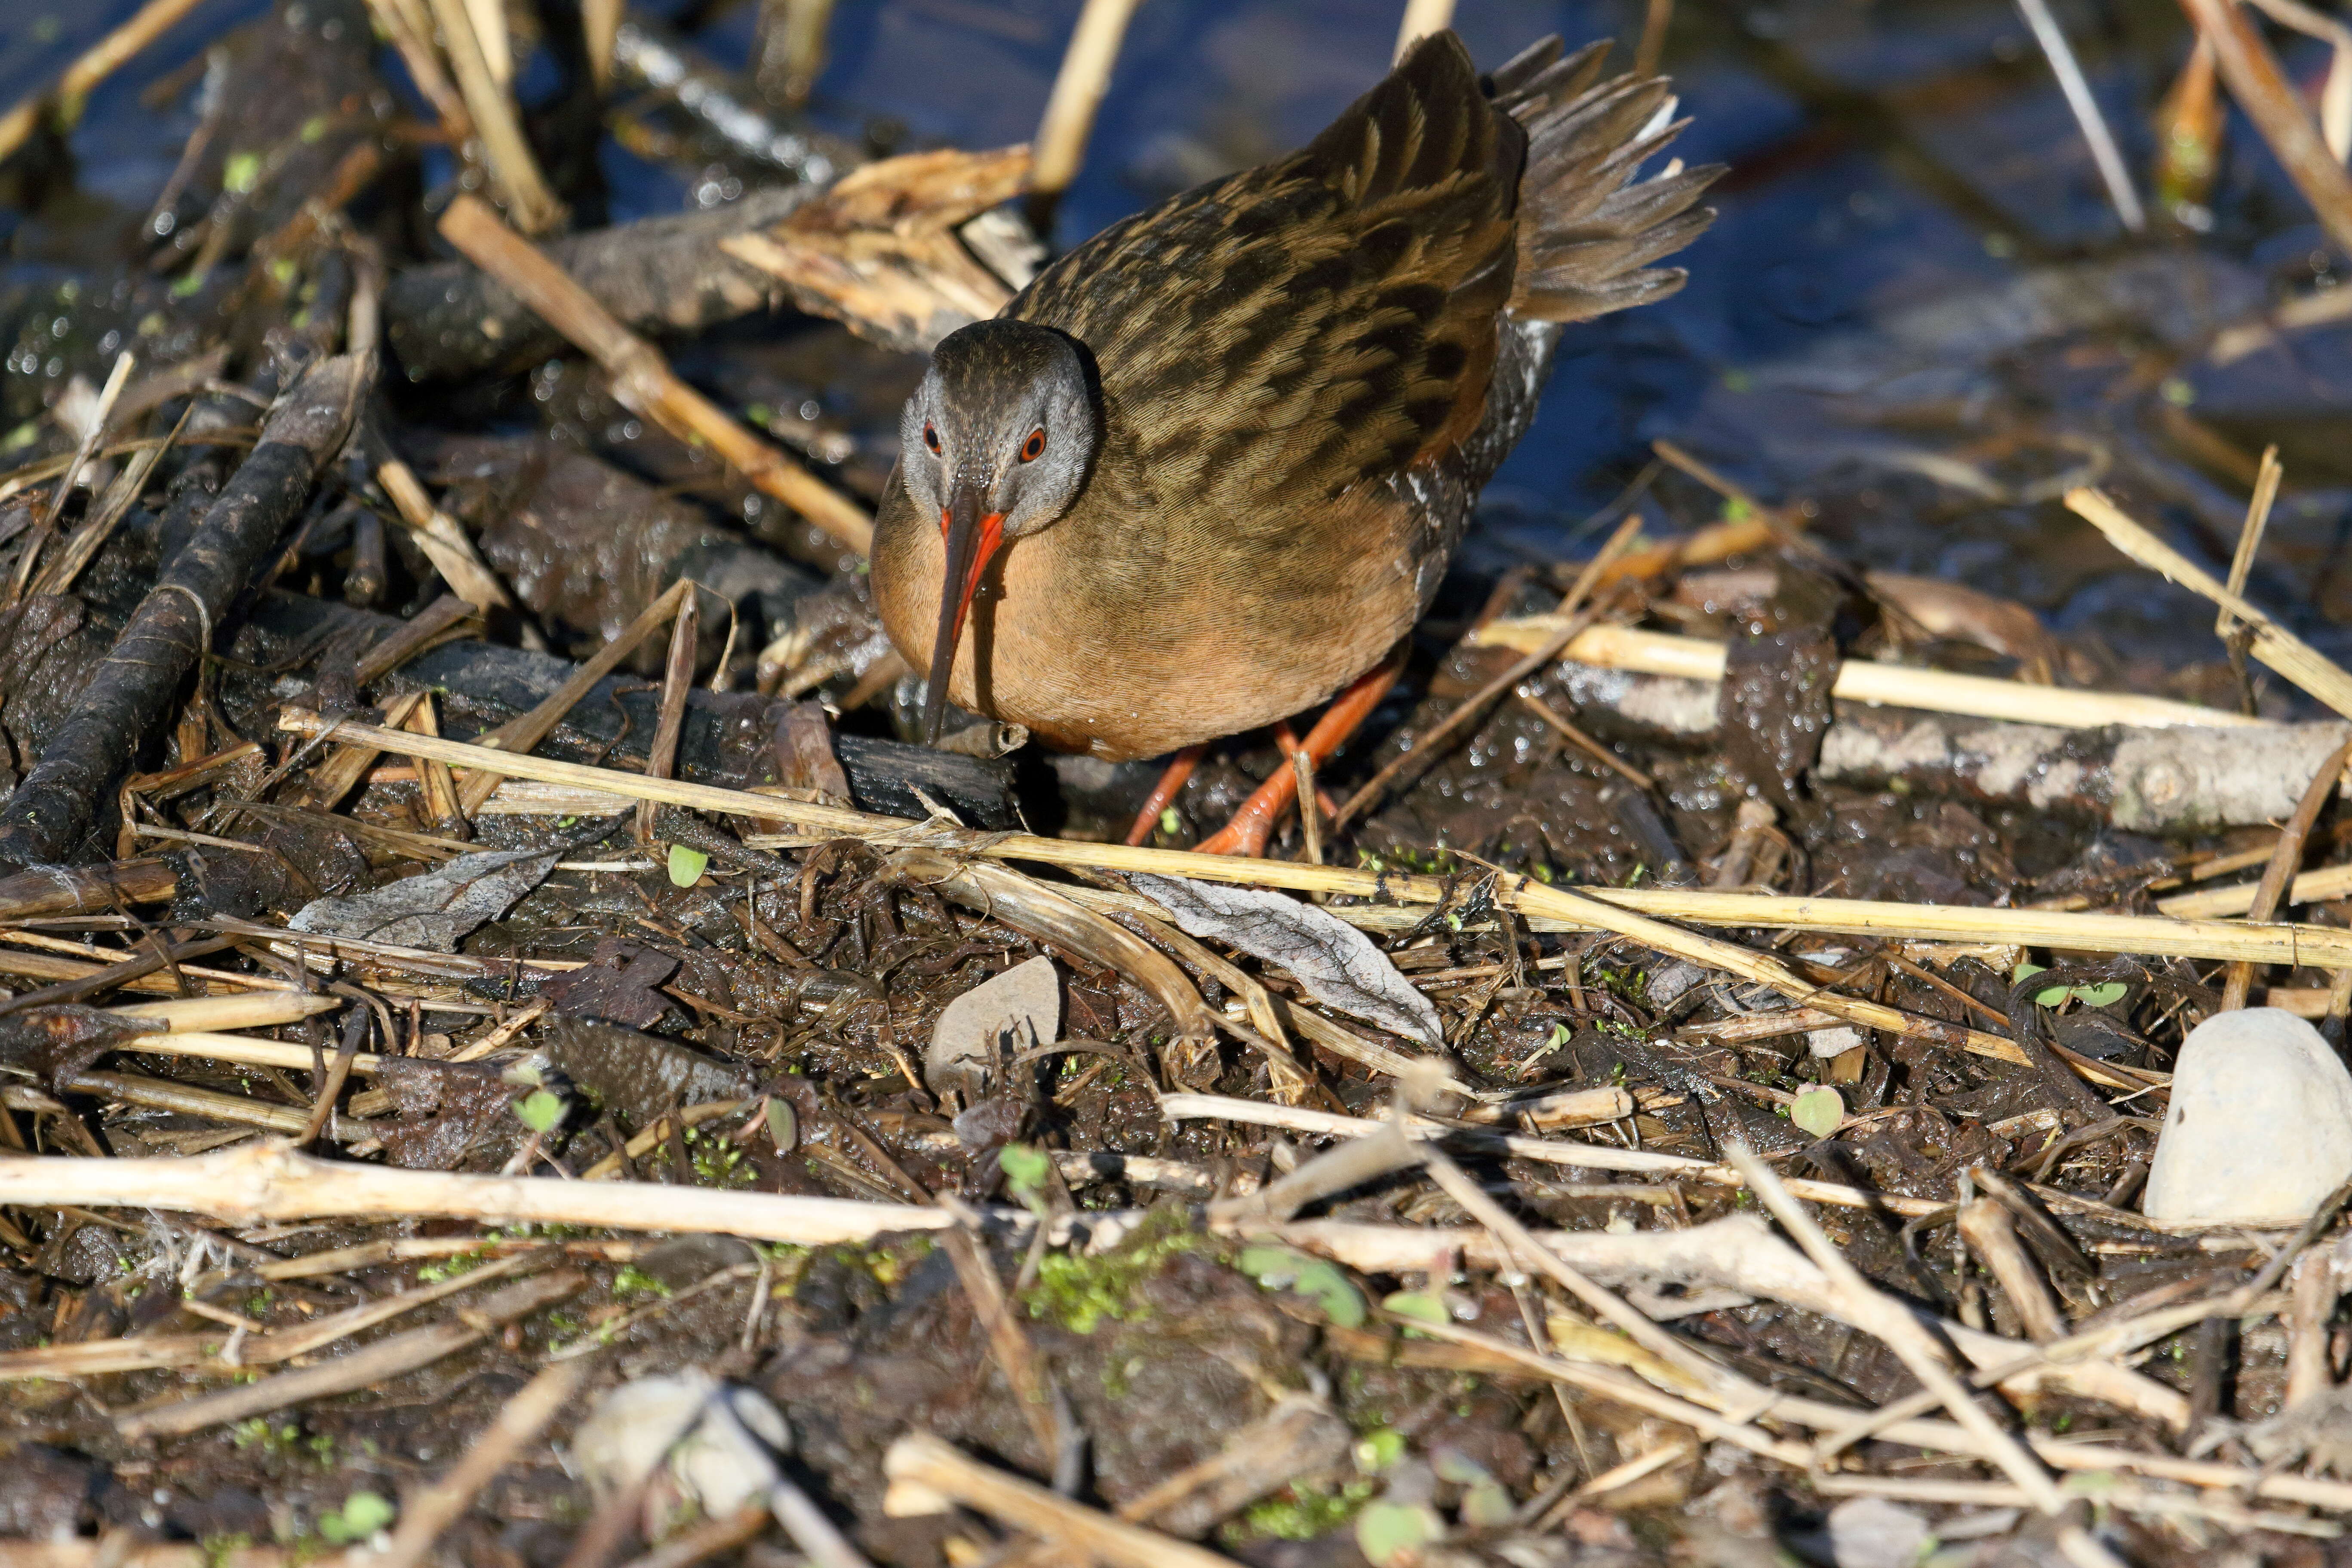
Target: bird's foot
<point>1253,826</point>
<point>1163,794</point>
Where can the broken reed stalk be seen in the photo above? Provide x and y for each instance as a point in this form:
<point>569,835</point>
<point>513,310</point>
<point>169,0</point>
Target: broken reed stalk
<point>62,100</point>
<point>677,679</point>
<point>522,733</point>
<point>2284,857</point>
<point>437,534</point>
<point>514,171</point>
<point>2306,665</point>
<point>927,1475</point>
<point>1566,909</point>
<point>2084,106</point>
<point>427,1513</point>
<point>174,623</point>
<point>641,381</point>
<point>1866,680</point>
<point>1079,88</point>
<point>2261,88</point>
<point>30,554</point>
<point>411,36</point>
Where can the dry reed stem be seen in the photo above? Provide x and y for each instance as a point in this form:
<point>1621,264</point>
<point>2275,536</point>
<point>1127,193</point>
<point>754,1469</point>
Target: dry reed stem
<point>93,66</point>
<point>1866,680</point>
<point>2300,663</point>
<point>641,380</point>
<point>2320,946</point>
<point>2261,88</point>
<point>444,542</point>
<point>1078,94</point>
<point>425,1514</point>
<point>926,1473</point>
<point>514,171</point>
<point>2085,106</point>
<point>1894,1325</point>
<point>2285,856</point>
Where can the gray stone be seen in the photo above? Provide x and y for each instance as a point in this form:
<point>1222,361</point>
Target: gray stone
<point>1872,1533</point>
<point>1025,999</point>
<point>2259,1128</point>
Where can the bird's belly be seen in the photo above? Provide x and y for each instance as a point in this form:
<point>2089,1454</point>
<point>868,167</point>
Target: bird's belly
<point>1137,670</point>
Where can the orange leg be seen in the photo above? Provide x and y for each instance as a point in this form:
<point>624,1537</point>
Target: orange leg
<point>1164,792</point>
<point>1254,823</point>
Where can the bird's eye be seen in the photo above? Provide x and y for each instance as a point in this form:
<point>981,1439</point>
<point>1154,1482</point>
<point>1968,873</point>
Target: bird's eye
<point>1034,447</point>
<point>931,437</point>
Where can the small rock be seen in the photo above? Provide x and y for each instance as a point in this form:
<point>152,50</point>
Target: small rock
<point>1828,1044</point>
<point>2261,1125</point>
<point>712,1446</point>
<point>1671,980</point>
<point>1872,1533</point>
<point>1025,998</point>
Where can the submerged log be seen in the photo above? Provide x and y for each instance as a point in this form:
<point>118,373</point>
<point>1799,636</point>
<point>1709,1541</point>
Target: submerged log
<point>51,811</point>
<point>665,275</point>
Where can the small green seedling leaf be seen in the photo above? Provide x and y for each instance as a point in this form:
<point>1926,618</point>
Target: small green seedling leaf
<point>1390,1534</point>
<point>1168,821</point>
<point>1820,1110</point>
<point>1325,1284</point>
<point>686,865</point>
<point>1453,1465</point>
<point>1487,1506</point>
<point>1421,1306</point>
<point>540,1109</point>
<point>241,173</point>
<point>783,1125</point>
<point>362,1515</point>
<point>1379,1448</point>
<point>2106,994</point>
<point>1024,1172</point>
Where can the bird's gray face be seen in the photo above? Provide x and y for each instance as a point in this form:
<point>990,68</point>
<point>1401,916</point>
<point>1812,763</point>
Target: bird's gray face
<point>995,444</point>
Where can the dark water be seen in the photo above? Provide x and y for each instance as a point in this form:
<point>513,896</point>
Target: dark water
<point>1870,307</point>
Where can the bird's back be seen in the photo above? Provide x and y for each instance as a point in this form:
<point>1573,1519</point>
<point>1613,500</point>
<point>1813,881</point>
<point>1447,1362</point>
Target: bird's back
<point>1306,371</point>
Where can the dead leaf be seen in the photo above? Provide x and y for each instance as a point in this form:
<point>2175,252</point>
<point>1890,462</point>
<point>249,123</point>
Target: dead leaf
<point>641,1076</point>
<point>617,985</point>
<point>434,909</point>
<point>1338,964</point>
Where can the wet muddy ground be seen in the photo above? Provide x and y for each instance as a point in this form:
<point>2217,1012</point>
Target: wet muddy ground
<point>1915,325</point>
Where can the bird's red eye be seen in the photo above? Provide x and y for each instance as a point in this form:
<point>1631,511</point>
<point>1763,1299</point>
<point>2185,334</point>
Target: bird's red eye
<point>1034,447</point>
<point>931,437</point>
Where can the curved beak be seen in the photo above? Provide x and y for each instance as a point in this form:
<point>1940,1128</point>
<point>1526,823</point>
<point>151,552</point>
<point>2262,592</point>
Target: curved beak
<point>972,539</point>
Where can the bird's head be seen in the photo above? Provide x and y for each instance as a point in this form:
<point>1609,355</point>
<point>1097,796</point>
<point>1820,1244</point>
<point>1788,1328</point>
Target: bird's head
<point>995,444</point>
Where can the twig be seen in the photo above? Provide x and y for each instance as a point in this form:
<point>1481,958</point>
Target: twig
<point>1077,93</point>
<point>1587,745</point>
<point>30,553</point>
<point>2270,100</point>
<point>524,732</point>
<point>1992,1234</point>
<point>2284,857</point>
<point>436,1508</point>
<point>712,1536</point>
<point>2309,669</point>
<point>63,97</point>
<point>677,680</point>
<point>642,381</point>
<point>436,534</point>
<point>1901,1332</point>
<point>2085,108</point>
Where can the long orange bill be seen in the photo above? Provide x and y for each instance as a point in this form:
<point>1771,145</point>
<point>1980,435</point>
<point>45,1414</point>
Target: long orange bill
<point>972,541</point>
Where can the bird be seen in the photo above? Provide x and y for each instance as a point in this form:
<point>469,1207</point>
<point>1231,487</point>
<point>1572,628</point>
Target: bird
<point>1208,467</point>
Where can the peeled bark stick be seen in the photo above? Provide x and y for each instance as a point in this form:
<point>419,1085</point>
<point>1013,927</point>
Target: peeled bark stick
<point>2313,671</point>
<point>1867,681</point>
<point>53,809</point>
<point>1545,908</point>
<point>2272,102</point>
<point>642,382</point>
<point>1986,1225</point>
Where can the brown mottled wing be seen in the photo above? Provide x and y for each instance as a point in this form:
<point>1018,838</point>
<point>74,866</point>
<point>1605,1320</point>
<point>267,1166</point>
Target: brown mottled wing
<point>1296,330</point>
